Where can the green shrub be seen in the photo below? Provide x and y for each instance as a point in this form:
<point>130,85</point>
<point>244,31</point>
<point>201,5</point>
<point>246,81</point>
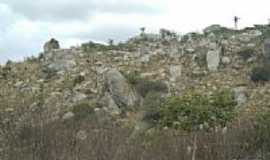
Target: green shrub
<point>145,86</point>
<point>262,128</point>
<point>78,80</point>
<point>246,53</point>
<point>194,111</point>
<point>83,110</point>
<point>260,73</point>
<point>152,105</point>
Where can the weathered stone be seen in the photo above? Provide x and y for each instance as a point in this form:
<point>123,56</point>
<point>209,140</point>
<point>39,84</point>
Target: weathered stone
<point>68,115</point>
<point>266,50</point>
<point>122,93</point>
<point>145,58</point>
<point>226,60</point>
<point>240,95</point>
<point>78,97</point>
<point>81,135</point>
<point>108,102</point>
<point>213,60</point>
<point>51,45</point>
<point>175,72</point>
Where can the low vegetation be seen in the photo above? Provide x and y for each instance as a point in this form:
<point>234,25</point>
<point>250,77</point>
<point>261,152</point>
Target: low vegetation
<point>261,74</point>
<point>145,86</point>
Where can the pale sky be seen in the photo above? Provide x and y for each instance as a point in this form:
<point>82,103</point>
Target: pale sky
<point>25,25</point>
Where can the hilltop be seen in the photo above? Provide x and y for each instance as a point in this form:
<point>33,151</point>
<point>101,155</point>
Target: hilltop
<point>115,84</point>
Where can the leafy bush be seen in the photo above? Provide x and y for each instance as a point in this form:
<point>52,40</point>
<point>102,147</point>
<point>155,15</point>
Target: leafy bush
<point>260,73</point>
<point>262,128</point>
<point>145,86</point>
<point>152,105</point>
<point>246,53</point>
<point>83,110</point>
<point>194,111</point>
<point>78,80</point>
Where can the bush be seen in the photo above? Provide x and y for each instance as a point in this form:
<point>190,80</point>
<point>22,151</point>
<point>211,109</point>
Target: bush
<point>194,111</point>
<point>145,86</point>
<point>152,105</point>
<point>262,128</point>
<point>246,53</point>
<point>83,110</point>
<point>78,80</point>
<point>260,73</point>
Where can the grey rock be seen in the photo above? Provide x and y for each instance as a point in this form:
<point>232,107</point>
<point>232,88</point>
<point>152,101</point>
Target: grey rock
<point>226,60</point>
<point>266,50</point>
<point>213,60</point>
<point>175,72</point>
<point>51,45</point>
<point>145,58</point>
<point>78,97</point>
<point>108,102</point>
<point>60,60</point>
<point>81,135</point>
<point>240,95</point>
<point>68,115</point>
<point>120,90</point>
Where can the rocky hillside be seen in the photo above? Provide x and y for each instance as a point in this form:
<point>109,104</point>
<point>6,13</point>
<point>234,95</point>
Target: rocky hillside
<point>114,80</point>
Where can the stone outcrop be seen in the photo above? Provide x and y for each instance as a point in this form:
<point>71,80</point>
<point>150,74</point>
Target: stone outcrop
<point>213,60</point>
<point>51,45</point>
<point>121,91</point>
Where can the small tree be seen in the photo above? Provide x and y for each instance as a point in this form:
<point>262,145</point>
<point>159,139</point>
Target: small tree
<point>193,112</point>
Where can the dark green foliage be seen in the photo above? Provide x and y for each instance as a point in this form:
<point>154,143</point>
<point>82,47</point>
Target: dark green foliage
<point>260,73</point>
<point>92,46</point>
<point>78,80</point>
<point>152,105</point>
<point>145,86</point>
<point>246,53</point>
<point>83,110</point>
<point>262,128</point>
<point>194,111</point>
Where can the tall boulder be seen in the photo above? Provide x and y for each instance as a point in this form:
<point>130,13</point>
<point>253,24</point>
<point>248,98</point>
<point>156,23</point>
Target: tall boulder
<point>121,91</point>
<point>213,60</point>
<point>51,45</point>
<point>266,49</point>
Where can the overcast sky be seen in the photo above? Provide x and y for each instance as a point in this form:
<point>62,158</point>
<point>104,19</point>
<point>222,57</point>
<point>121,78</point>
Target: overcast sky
<point>25,25</point>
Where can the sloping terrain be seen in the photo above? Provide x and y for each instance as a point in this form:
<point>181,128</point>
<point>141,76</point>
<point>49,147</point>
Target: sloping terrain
<point>90,86</point>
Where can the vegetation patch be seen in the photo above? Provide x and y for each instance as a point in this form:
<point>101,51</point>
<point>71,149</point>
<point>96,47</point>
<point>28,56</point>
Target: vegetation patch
<point>246,53</point>
<point>83,110</point>
<point>145,86</point>
<point>260,74</point>
<point>194,111</point>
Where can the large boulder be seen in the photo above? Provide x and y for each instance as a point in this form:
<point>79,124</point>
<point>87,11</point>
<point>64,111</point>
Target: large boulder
<point>213,60</point>
<point>266,50</point>
<point>121,91</point>
<point>240,95</point>
<point>175,72</point>
<point>60,60</point>
<point>51,45</point>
